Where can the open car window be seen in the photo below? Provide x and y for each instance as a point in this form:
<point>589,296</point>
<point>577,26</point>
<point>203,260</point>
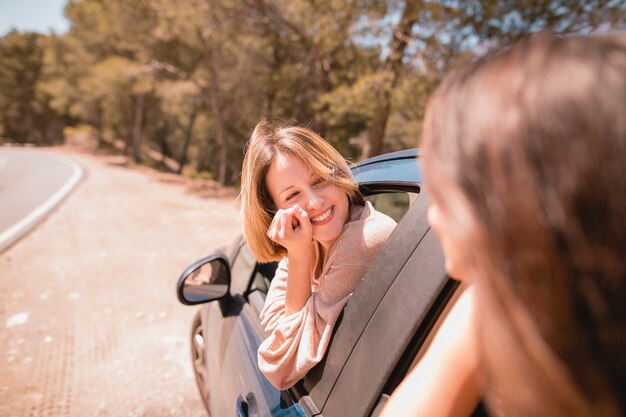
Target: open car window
<point>241,270</point>
<point>393,188</point>
<point>394,205</point>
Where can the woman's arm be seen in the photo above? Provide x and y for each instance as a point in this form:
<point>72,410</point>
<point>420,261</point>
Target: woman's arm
<point>292,229</point>
<point>444,383</point>
<point>298,282</point>
<point>298,341</point>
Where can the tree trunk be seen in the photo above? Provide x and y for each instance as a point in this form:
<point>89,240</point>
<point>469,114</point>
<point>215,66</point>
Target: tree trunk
<point>392,64</point>
<point>322,74</point>
<point>188,134</point>
<point>137,127</point>
<point>163,134</point>
<point>99,123</point>
<point>219,126</point>
<point>377,129</point>
<point>216,103</point>
<point>128,130</point>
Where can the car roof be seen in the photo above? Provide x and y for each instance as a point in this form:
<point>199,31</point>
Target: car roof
<point>396,171</point>
<point>392,156</point>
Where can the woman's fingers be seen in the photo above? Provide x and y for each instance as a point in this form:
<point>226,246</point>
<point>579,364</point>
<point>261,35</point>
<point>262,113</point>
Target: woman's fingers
<point>285,225</point>
<point>275,227</point>
<point>290,225</point>
<point>303,219</point>
<point>281,227</point>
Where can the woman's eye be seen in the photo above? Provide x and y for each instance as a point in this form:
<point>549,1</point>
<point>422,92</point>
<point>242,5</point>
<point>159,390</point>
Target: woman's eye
<point>290,196</point>
<point>318,181</point>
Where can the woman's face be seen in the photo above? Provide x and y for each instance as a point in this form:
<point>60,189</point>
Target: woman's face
<point>290,182</point>
<point>453,234</point>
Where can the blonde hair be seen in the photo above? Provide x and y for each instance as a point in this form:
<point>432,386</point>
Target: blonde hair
<point>257,207</point>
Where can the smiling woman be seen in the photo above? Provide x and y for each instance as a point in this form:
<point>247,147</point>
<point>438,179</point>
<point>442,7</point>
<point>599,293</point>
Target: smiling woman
<point>300,205</point>
<point>296,189</point>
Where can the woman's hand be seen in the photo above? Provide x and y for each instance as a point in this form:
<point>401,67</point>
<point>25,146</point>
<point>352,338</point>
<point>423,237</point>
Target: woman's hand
<point>292,229</point>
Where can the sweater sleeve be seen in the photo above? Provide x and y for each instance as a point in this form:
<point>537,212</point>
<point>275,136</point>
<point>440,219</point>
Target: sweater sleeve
<point>274,307</point>
<point>298,342</point>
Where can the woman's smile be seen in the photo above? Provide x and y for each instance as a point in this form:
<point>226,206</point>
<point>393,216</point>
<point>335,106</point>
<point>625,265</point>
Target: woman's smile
<point>323,218</point>
<point>290,183</point>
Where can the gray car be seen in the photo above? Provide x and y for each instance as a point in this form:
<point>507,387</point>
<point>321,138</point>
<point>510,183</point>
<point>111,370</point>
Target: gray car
<point>381,334</point>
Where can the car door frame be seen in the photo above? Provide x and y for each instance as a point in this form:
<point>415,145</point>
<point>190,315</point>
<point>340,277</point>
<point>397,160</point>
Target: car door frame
<point>406,282</point>
<point>327,387</point>
<point>408,272</point>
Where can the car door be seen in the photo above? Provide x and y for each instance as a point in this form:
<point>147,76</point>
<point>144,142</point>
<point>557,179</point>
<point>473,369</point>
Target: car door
<point>233,334</point>
<point>392,182</point>
<point>388,318</point>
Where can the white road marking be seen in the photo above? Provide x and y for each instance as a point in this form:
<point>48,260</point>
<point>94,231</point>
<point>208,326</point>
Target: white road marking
<point>10,235</point>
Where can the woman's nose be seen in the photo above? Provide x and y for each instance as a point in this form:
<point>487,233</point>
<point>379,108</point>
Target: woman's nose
<point>314,201</point>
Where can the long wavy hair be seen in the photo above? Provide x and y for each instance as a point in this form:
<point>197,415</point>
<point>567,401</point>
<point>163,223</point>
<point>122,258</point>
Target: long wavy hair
<point>533,140</point>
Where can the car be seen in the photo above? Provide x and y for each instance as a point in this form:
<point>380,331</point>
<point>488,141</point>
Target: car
<point>381,334</point>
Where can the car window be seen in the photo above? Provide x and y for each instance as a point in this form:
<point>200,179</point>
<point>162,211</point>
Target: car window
<point>241,270</point>
<point>394,205</point>
<point>262,277</point>
<point>260,285</point>
<point>260,282</point>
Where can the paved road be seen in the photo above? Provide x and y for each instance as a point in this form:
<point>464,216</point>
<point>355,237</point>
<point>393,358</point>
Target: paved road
<point>31,184</point>
<point>89,321</point>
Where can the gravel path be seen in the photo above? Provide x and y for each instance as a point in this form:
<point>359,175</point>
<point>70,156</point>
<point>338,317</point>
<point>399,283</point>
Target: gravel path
<point>90,322</point>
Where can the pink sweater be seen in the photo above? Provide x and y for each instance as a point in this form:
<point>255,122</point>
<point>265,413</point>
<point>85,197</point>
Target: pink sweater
<point>298,342</point>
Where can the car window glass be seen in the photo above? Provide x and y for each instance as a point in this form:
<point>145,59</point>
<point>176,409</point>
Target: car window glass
<point>394,205</point>
<point>262,277</point>
<point>233,248</point>
<point>260,282</point>
<point>241,270</point>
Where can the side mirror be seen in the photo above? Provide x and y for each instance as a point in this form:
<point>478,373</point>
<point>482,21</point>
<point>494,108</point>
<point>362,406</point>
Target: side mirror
<point>205,280</point>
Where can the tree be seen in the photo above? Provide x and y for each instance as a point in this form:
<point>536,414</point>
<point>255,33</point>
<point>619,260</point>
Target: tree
<point>390,72</point>
<point>192,77</point>
<point>21,57</point>
<point>435,35</point>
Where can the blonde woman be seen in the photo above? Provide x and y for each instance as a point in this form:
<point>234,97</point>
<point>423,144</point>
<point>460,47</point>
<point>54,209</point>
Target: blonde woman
<point>301,207</point>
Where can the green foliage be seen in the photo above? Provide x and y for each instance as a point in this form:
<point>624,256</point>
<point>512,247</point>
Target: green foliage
<point>191,78</point>
<point>26,114</point>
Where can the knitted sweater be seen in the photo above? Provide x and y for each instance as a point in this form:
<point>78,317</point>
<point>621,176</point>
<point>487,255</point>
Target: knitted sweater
<point>297,342</point>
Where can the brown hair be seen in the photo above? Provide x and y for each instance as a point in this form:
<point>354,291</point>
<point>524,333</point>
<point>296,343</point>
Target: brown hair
<point>257,207</point>
<point>533,139</point>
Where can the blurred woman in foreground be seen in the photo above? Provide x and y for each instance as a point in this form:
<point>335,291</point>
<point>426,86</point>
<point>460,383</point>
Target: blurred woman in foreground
<point>525,162</point>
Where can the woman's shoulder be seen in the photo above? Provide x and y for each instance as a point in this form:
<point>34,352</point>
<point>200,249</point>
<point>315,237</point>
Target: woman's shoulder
<point>372,215</point>
<point>376,223</point>
<point>369,232</point>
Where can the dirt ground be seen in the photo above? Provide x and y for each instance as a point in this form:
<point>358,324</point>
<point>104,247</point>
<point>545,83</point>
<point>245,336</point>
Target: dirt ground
<point>90,324</point>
